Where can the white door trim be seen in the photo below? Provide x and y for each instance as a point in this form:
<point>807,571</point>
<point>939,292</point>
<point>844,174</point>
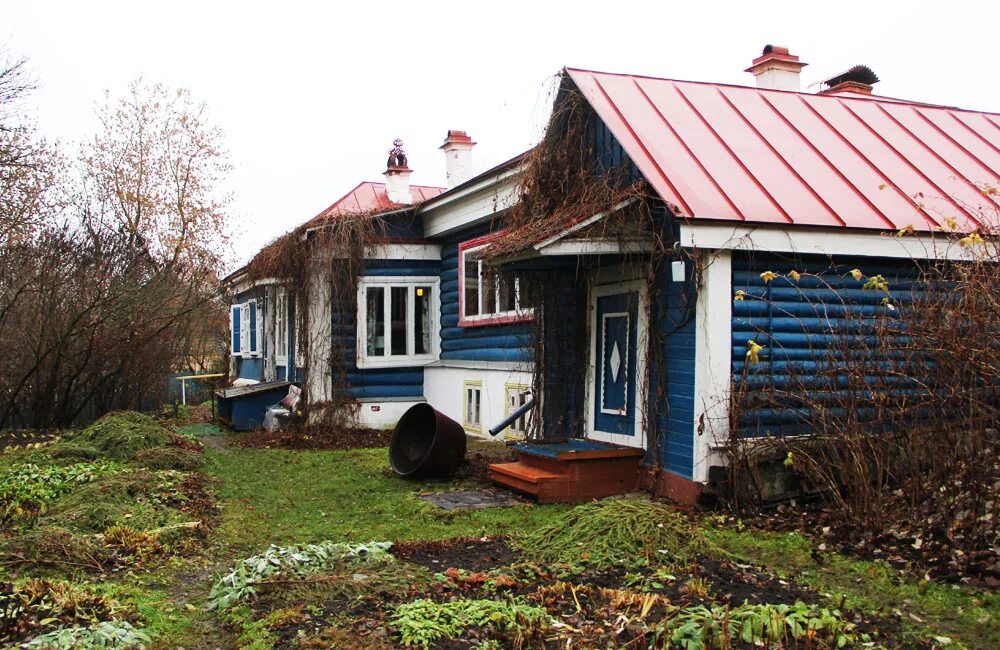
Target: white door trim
<point>642,340</point>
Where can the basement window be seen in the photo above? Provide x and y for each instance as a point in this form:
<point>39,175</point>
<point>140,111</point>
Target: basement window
<point>397,321</point>
<point>485,296</point>
<point>517,396</point>
<point>473,410</point>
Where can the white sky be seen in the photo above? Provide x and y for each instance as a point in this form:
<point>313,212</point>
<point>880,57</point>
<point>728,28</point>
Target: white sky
<point>311,95</point>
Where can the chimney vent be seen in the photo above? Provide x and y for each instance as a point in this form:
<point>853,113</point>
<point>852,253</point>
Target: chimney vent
<point>858,80</point>
<point>397,175</point>
<point>776,69</point>
<point>457,149</point>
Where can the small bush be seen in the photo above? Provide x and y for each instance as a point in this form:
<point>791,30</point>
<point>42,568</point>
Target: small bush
<point>178,458</point>
<point>120,435</point>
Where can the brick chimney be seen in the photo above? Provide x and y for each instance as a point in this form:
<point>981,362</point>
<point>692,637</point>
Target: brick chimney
<point>457,149</point>
<point>776,69</point>
<point>397,175</point>
<point>857,80</point>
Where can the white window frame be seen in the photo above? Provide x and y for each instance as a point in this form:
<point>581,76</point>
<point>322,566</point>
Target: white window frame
<point>510,392</point>
<point>518,313</point>
<point>467,422</point>
<point>280,327</point>
<point>246,351</point>
<point>398,360</point>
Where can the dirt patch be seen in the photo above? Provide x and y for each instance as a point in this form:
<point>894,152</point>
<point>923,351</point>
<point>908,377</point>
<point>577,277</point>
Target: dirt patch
<point>592,607</point>
<point>469,553</point>
<point>317,437</point>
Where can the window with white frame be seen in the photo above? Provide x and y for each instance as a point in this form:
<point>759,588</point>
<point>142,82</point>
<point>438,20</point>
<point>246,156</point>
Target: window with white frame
<point>397,321</point>
<point>245,329</point>
<point>281,327</point>
<point>473,405</point>
<point>486,294</point>
<point>517,396</point>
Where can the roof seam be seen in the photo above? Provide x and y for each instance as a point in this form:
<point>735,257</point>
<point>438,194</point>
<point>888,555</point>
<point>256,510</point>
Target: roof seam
<point>885,177</point>
<point>777,154</point>
<point>691,152</point>
<point>732,153</point>
<point>829,163</point>
<point>955,142</point>
<point>907,162</point>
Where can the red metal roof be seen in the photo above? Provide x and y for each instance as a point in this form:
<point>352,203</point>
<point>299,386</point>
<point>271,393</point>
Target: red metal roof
<point>369,197</point>
<point>744,154</point>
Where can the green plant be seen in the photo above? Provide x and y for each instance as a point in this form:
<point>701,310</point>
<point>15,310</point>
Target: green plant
<point>106,634</point>
<point>701,627</point>
<point>297,561</point>
<point>423,621</point>
<point>33,607</point>
<point>26,488</point>
<point>655,581</point>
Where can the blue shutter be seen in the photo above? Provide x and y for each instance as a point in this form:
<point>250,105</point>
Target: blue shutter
<point>235,323</point>
<point>252,347</point>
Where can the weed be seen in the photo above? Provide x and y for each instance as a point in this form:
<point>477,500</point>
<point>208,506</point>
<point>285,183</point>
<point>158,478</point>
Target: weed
<point>26,488</point>
<point>131,542</point>
<point>619,532</point>
<point>120,435</point>
<point>423,621</point>
<point>292,561</point>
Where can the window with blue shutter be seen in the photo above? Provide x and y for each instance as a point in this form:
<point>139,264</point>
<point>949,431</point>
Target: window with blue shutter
<point>235,325</point>
<point>252,347</point>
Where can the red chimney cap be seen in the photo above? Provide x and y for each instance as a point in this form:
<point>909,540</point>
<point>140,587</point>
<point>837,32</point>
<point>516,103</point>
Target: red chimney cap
<point>776,53</point>
<point>456,137</point>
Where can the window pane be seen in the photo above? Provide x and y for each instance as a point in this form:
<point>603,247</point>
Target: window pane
<point>281,325</point>
<point>376,321</point>
<point>398,306</point>
<point>478,396</point>
<point>471,284</point>
<point>507,292</point>
<point>489,291</point>
<point>421,320</point>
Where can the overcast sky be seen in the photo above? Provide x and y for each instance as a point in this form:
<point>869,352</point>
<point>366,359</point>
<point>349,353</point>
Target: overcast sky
<point>311,95</point>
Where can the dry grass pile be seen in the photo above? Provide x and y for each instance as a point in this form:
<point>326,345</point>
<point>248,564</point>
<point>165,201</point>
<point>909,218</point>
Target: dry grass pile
<point>619,532</point>
<point>176,458</point>
<point>120,435</point>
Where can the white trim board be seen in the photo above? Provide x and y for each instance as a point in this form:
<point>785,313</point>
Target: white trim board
<point>817,241</point>
<point>712,358</point>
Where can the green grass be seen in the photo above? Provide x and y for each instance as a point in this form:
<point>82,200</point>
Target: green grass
<point>966,616</point>
<point>277,496</point>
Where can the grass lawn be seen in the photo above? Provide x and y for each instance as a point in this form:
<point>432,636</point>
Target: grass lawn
<point>295,497</point>
<point>281,497</point>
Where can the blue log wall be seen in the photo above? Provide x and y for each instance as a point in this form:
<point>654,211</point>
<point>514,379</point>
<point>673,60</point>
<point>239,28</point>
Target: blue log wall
<point>508,342</point>
<point>810,330</point>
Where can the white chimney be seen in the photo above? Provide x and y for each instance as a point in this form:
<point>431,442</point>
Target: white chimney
<point>776,69</point>
<point>397,175</point>
<point>457,149</point>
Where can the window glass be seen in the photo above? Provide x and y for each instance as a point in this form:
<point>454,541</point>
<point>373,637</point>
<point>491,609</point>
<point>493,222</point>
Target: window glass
<point>508,292</point>
<point>376,321</point>
<point>471,282</point>
<point>421,320</point>
<point>397,305</point>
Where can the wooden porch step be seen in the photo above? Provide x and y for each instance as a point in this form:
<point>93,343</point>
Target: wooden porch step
<point>554,480</point>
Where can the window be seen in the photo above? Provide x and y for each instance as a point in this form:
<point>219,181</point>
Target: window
<point>396,321</point>
<point>281,328</point>
<point>473,410</point>
<point>244,329</point>
<point>517,396</point>
<point>485,295</point>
